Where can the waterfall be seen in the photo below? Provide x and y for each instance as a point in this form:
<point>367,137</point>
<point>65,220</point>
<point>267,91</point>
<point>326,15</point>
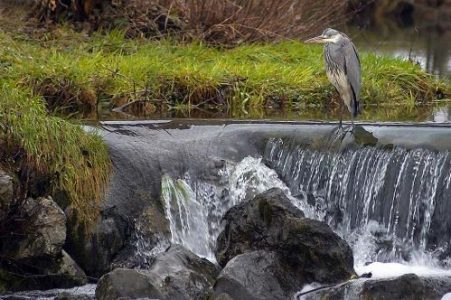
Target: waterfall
<point>381,200</point>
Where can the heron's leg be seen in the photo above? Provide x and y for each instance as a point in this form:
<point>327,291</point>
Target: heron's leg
<point>341,114</point>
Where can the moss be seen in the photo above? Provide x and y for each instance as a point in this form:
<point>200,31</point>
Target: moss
<point>39,146</point>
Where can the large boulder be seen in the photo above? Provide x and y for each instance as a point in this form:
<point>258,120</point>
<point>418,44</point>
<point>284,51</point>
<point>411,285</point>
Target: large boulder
<point>42,231</point>
<point>174,274</point>
<point>118,239</point>
<point>127,284</point>
<point>32,254</point>
<point>409,286</point>
<point>43,273</point>
<point>304,246</point>
<point>255,275</point>
<point>96,250</point>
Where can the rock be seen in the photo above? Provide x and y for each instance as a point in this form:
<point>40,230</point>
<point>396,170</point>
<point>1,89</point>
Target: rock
<point>175,274</point>
<point>408,286</point>
<point>128,284</point>
<point>117,239</point>
<point>182,274</point>
<point>42,274</point>
<point>405,287</point>
<point>33,256</point>
<point>6,193</point>
<point>255,275</point>
<point>223,296</point>
<point>69,272</point>
<point>306,247</point>
<point>149,237</point>
<point>42,232</point>
<point>95,251</point>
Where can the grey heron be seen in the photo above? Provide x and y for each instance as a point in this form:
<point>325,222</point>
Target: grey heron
<point>342,67</point>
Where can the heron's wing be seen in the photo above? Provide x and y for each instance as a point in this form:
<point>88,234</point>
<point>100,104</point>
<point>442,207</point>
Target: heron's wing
<point>352,68</point>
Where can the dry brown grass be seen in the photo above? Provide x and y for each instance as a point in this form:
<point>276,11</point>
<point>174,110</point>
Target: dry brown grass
<point>62,96</point>
<point>225,22</point>
<point>236,21</point>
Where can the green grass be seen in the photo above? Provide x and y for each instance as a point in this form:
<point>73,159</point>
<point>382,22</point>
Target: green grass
<point>45,147</point>
<point>110,69</point>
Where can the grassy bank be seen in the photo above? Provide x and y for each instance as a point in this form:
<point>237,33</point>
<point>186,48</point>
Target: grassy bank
<point>50,155</point>
<point>77,74</point>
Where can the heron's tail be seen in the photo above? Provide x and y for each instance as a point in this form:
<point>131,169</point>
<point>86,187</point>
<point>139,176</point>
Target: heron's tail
<point>355,108</point>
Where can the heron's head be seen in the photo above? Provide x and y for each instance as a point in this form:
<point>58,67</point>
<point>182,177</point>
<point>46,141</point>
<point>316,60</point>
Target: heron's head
<point>328,36</point>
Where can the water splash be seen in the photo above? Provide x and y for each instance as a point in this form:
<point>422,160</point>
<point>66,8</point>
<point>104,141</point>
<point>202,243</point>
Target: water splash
<point>195,208</point>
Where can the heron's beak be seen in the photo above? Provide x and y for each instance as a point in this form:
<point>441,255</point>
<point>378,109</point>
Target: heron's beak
<point>316,40</point>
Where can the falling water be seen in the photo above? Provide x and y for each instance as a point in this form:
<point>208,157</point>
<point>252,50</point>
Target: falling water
<point>187,215</point>
<point>381,200</point>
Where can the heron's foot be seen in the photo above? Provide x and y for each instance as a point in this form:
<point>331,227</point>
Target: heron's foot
<point>350,129</point>
<point>344,130</point>
<point>338,131</point>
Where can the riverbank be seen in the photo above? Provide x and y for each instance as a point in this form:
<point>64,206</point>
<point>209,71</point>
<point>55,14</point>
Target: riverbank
<point>77,75</point>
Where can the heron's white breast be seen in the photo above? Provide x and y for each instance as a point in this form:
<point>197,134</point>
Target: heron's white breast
<point>338,79</point>
<point>340,82</point>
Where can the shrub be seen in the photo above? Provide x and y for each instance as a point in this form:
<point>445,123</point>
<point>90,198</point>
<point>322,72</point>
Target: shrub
<point>225,22</point>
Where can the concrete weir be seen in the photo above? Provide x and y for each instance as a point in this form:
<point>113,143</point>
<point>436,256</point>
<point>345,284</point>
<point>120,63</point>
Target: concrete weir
<point>385,188</point>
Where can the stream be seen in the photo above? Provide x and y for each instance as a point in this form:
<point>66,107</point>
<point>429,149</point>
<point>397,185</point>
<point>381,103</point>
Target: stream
<point>386,189</point>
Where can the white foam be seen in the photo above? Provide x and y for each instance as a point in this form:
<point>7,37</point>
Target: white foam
<point>446,297</point>
<point>387,270</point>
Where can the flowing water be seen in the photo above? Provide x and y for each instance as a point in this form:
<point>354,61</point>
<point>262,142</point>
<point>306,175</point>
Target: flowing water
<point>195,208</point>
<point>397,216</point>
<point>388,202</point>
<point>382,200</point>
